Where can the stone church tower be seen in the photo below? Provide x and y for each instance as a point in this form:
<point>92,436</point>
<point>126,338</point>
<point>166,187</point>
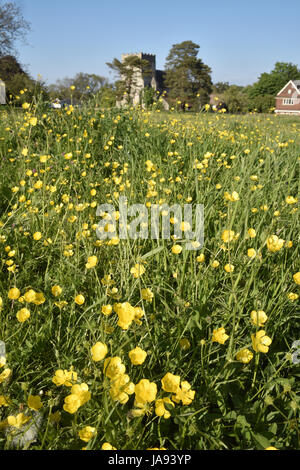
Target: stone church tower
<point>2,92</point>
<point>153,80</point>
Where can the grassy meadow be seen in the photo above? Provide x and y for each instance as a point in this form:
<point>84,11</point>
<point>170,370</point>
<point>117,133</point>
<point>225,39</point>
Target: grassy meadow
<point>142,344</point>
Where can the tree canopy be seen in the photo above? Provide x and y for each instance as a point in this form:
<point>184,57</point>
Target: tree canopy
<point>17,79</point>
<point>271,83</point>
<point>186,75</point>
<point>86,85</point>
<point>13,27</point>
<point>220,87</point>
<point>127,75</point>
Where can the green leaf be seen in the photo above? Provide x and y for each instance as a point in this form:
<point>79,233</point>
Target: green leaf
<point>152,252</point>
<point>261,440</point>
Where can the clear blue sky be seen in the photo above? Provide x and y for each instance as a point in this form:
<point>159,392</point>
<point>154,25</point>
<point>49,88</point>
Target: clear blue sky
<point>239,39</point>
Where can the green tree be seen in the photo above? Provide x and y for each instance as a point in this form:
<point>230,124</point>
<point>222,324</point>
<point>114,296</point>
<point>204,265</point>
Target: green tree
<point>106,96</point>
<point>271,83</point>
<point>220,87</point>
<point>9,66</point>
<point>186,75</point>
<point>148,97</point>
<point>17,79</point>
<point>86,85</point>
<point>129,72</point>
<point>236,100</point>
<point>13,27</point>
<point>262,103</point>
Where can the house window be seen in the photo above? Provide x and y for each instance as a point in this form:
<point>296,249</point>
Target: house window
<point>288,101</point>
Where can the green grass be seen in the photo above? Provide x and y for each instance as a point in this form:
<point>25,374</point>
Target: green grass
<point>236,405</point>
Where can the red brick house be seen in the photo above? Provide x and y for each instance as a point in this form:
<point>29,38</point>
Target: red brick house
<point>288,99</point>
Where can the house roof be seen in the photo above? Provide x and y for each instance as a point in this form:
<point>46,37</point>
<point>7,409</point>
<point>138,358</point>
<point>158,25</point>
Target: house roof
<point>295,83</point>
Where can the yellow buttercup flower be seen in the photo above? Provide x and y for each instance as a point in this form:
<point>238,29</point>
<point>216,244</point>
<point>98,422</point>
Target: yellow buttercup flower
<point>61,304</point>
<point>145,391</point>
<point>228,236</point>
<point>160,409</point>
<point>107,446</point>
<point>251,253</point>
<point>292,296</point>
<point>56,290</point>
<point>138,314</point>
<point>170,382</point>
<point>137,270</point>
<point>126,314</point>
<point>99,351</point>
<point>14,293</point>
<point>4,375</point>
<point>260,341</point>
<point>201,258</point>
<point>113,367</point>
<point>79,299</point>
<point>229,268</point>
<point>91,262</point>
<point>231,197</point>
<point>33,121</point>
<point>18,421</point>
<point>184,394</point>
<point>39,298</point>
<point>296,278</point>
<point>215,264</point>
<point>251,233</point>
<point>38,184</point>
<point>23,315</point>
<point>291,200</point>
<point>137,356</point>
<point>219,336</point>
<point>29,296</point>
<point>34,402</point>
<point>64,377</point>
<point>258,318</point>
<point>121,388</point>
<point>176,249</point>
<point>244,356</point>
<point>274,243</point>
<point>184,344</point>
<point>147,295</point>
<point>37,236</point>
<point>162,448</point>
<point>106,309</point>
<point>72,403</point>
<point>87,433</point>
<point>107,280</point>
<point>2,361</point>
<point>79,396</point>
<point>4,401</point>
